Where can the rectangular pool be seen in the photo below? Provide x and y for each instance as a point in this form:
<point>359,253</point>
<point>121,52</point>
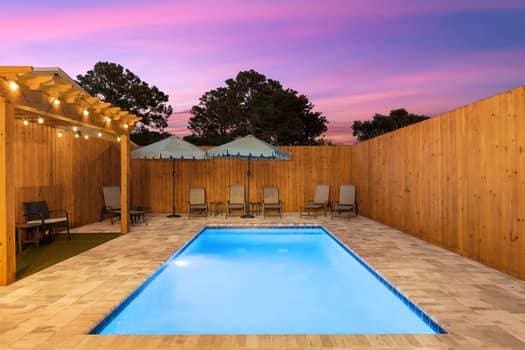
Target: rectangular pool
<point>291,280</point>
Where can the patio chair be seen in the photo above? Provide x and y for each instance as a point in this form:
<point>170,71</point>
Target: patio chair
<point>197,202</point>
<point>111,203</point>
<point>346,201</point>
<point>271,200</point>
<point>38,212</point>
<point>112,206</point>
<point>321,201</point>
<point>236,199</point>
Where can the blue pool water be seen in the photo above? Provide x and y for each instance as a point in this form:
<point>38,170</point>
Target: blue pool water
<point>266,281</point>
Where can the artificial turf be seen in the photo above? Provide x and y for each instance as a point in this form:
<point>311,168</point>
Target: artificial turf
<point>33,259</point>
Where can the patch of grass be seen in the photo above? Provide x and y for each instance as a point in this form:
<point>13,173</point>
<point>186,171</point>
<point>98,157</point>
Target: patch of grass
<point>33,259</point>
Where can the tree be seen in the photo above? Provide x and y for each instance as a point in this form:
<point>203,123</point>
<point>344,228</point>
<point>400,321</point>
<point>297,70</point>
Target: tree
<point>143,136</point>
<point>252,104</point>
<point>381,124</point>
<point>113,83</point>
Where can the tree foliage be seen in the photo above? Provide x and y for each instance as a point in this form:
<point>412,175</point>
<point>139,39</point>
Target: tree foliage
<point>119,86</point>
<point>381,124</point>
<point>143,136</point>
<point>252,104</point>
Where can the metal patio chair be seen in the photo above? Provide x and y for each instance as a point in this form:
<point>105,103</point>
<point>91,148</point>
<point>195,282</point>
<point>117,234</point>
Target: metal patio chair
<point>271,201</point>
<point>236,200</point>
<point>321,201</point>
<point>112,206</point>
<point>197,202</point>
<point>346,201</point>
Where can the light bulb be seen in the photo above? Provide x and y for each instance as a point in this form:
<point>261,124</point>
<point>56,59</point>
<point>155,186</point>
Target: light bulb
<point>125,126</point>
<point>86,137</point>
<point>107,119</point>
<point>75,128</point>
<point>60,134</point>
<point>40,120</point>
<point>13,86</point>
<point>85,113</point>
<point>99,134</point>
<point>77,135</point>
<point>26,122</point>
<point>118,138</point>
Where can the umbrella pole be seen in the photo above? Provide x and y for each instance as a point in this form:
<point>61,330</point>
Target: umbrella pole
<point>173,211</point>
<point>248,214</point>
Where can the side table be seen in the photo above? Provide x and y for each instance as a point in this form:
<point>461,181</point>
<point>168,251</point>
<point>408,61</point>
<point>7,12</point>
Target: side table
<point>30,229</point>
<point>216,208</point>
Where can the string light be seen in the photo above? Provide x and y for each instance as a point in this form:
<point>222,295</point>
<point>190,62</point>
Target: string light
<point>13,86</point>
<point>40,120</point>
<point>85,113</point>
<point>75,128</point>
<point>107,119</point>
<point>86,137</point>
<point>99,134</point>
<point>26,122</point>
<point>125,126</point>
<point>118,138</point>
<point>77,135</point>
<point>60,134</point>
<point>56,102</point>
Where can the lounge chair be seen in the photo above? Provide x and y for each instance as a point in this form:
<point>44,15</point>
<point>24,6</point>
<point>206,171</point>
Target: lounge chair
<point>197,202</point>
<point>112,206</point>
<point>236,199</point>
<point>111,203</point>
<point>346,201</point>
<point>271,200</point>
<point>38,212</point>
<point>321,201</point>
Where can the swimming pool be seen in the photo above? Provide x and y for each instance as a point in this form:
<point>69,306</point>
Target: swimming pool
<point>277,280</point>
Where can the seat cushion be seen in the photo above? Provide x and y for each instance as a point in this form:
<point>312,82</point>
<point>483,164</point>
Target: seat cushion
<point>314,206</point>
<point>236,206</point>
<point>272,206</point>
<point>198,206</point>
<point>49,221</point>
<point>342,207</point>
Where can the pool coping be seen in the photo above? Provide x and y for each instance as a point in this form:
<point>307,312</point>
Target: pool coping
<point>416,309</point>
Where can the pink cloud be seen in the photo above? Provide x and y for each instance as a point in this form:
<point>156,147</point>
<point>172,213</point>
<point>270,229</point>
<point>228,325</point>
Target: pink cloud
<point>77,20</point>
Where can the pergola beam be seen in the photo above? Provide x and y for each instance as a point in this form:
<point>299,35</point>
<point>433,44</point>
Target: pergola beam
<point>63,119</point>
<point>56,90</point>
<point>100,106</point>
<point>14,72</point>
<point>124,183</point>
<point>7,194</point>
<point>72,96</point>
<point>33,82</point>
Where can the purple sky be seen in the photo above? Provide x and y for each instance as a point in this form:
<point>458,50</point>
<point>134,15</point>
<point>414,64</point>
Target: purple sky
<point>351,58</point>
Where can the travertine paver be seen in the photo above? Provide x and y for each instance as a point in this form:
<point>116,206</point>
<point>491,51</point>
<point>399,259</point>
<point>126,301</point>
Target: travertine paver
<point>55,308</point>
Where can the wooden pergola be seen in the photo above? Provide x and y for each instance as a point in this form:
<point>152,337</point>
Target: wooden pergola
<point>49,96</point>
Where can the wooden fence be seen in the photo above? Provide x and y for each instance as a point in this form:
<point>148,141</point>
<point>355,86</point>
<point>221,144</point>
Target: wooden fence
<point>66,172</point>
<point>457,180</point>
<point>295,178</point>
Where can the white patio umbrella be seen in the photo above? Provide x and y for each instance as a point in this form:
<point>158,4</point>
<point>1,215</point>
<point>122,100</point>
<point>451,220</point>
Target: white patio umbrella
<point>250,148</point>
<point>173,148</point>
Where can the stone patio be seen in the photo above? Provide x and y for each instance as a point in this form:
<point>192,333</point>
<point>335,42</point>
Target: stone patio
<point>56,308</point>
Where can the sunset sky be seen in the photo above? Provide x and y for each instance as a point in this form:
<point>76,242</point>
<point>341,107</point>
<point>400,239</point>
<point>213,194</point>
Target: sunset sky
<point>351,58</point>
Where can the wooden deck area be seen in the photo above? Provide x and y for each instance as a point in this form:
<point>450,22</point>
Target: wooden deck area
<point>55,308</point>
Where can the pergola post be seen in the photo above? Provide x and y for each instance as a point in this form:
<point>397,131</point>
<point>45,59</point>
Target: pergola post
<point>124,183</point>
<point>7,194</point>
